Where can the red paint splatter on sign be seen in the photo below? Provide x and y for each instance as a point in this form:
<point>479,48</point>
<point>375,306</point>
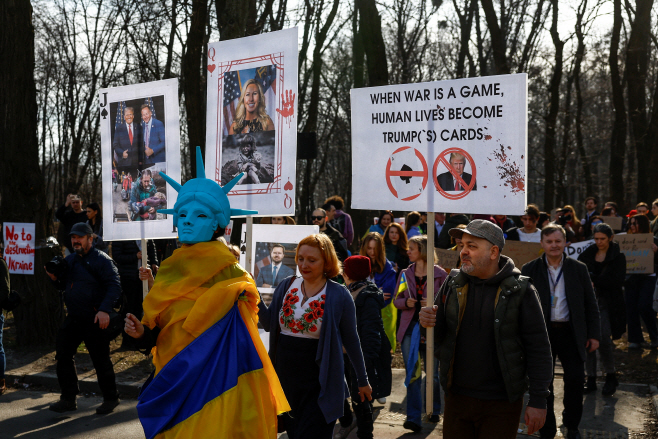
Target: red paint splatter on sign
<point>508,171</point>
<point>487,137</point>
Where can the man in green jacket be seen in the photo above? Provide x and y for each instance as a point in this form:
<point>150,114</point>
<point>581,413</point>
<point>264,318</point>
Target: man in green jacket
<point>491,341</point>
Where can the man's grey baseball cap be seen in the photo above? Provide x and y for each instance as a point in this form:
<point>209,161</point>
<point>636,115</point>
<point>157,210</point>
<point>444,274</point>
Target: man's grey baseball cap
<point>482,229</point>
<point>81,229</point>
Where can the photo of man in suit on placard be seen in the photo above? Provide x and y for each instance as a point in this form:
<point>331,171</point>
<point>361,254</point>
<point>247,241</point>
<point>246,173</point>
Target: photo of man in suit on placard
<point>126,141</point>
<point>447,180</point>
<point>270,275</point>
<point>153,136</point>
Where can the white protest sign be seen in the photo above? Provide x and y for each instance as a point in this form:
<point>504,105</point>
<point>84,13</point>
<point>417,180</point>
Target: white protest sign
<point>574,249</point>
<point>273,244</point>
<point>139,139</point>
<point>251,123</point>
<point>445,146</point>
<point>19,247</point>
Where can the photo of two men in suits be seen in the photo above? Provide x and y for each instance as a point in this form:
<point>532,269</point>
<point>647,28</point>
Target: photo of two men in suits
<point>271,275</point>
<point>138,144</point>
<point>447,180</point>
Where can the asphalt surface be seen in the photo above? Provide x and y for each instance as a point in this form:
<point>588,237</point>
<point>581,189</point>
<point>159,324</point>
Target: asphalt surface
<point>24,414</point>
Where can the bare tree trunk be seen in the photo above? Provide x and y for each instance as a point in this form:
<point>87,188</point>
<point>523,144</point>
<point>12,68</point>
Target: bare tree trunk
<point>465,25</point>
<point>22,194</point>
<point>370,28</point>
<point>194,79</point>
<point>551,118</point>
<point>618,139</point>
<point>580,146</point>
<point>497,38</point>
<point>637,57</point>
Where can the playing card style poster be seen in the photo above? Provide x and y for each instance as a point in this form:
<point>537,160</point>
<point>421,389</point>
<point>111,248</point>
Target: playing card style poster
<point>444,146</point>
<point>251,124</point>
<point>273,248</point>
<point>139,139</point>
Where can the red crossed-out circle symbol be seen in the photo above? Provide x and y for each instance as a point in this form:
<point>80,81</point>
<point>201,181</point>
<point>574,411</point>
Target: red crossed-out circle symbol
<point>467,187</point>
<point>390,173</point>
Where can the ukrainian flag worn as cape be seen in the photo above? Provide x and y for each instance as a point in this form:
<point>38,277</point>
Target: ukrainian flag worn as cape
<point>213,376</point>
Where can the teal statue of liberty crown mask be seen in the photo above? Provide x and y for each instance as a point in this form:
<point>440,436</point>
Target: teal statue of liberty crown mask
<point>204,199</point>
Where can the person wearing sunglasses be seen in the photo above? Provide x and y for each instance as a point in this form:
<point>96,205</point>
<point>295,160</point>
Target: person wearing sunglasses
<point>320,219</point>
<point>639,292</point>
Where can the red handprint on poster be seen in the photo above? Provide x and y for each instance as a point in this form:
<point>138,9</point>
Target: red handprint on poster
<point>288,104</point>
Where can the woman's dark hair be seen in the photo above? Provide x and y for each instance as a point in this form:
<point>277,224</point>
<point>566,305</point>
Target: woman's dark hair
<point>336,201</point>
<point>219,232</point>
<point>543,217</point>
<point>402,244</point>
<point>607,211</point>
<point>96,207</point>
<point>412,220</point>
<point>643,224</point>
<point>387,212</point>
<point>603,228</point>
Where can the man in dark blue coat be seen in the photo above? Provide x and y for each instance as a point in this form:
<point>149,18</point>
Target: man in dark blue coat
<point>153,137</point>
<point>91,289</point>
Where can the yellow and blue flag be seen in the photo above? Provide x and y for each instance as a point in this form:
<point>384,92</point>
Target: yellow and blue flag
<point>402,286</point>
<point>412,363</point>
<point>213,376</point>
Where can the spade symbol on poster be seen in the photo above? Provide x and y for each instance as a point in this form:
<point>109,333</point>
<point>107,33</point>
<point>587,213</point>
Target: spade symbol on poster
<point>243,244</point>
<point>406,178</point>
<point>104,113</point>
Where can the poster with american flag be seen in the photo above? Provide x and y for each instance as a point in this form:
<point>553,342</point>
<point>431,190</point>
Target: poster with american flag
<point>251,125</point>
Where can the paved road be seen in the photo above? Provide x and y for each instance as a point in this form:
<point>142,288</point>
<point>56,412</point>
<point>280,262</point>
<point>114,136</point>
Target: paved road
<point>25,414</point>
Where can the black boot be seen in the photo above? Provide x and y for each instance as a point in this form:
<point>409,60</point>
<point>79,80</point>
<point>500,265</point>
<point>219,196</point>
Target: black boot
<point>610,385</point>
<point>591,385</point>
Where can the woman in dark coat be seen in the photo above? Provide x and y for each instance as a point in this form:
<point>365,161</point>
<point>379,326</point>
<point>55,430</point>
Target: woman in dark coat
<point>312,322</point>
<point>607,269</point>
<point>368,299</point>
<point>639,292</point>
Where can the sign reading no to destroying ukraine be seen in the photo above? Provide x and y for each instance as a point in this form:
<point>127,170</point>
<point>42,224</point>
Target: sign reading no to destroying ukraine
<point>445,146</point>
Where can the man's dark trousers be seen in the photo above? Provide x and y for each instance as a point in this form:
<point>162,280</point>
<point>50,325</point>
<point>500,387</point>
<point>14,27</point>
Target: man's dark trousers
<point>563,346</point>
<point>75,330</point>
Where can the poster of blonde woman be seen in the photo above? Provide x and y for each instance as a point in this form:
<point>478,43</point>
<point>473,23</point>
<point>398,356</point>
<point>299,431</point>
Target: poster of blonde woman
<point>251,119</point>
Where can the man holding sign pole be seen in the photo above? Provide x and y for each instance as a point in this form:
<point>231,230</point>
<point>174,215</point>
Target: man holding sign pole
<point>501,343</point>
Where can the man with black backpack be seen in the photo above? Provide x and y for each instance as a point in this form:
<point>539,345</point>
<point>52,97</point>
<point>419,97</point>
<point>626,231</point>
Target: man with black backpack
<point>91,285</point>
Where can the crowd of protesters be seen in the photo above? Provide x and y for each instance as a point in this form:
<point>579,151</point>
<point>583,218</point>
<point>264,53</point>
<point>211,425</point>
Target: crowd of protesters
<point>497,326</point>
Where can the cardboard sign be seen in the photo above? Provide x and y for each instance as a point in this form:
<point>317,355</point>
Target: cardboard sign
<point>638,250</point>
<point>446,259</point>
<point>19,247</point>
<point>522,252</point>
<point>251,120</point>
<point>455,146</point>
<point>139,139</point>
<point>613,221</point>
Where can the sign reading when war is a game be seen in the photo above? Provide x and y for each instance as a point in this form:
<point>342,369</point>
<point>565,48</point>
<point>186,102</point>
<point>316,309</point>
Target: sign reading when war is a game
<point>455,146</point>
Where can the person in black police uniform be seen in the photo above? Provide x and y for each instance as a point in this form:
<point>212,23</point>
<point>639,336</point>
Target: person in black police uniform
<point>91,288</point>
<point>572,318</point>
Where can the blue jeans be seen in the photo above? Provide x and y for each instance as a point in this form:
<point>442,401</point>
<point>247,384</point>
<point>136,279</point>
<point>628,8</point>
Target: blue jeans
<point>414,391</point>
<point>3,361</point>
<point>639,303</point>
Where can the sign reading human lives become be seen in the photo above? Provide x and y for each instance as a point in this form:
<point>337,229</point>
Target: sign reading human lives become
<point>139,138</point>
<point>445,146</point>
<point>19,247</point>
<point>251,123</point>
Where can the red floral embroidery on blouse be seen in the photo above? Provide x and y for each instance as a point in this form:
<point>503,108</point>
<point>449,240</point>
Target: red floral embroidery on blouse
<point>310,319</point>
